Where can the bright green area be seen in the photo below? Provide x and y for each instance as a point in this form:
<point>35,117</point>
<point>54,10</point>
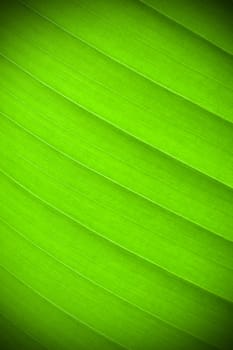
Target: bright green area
<point>116,174</point>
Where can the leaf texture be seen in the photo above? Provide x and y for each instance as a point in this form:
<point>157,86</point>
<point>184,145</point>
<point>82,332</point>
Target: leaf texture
<point>116,174</point>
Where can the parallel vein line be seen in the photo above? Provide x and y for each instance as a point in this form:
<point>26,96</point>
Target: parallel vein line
<point>171,212</point>
<point>63,310</point>
<point>116,295</point>
<point>186,28</point>
<point>142,107</point>
<point>124,64</point>
<point>96,147</point>
<point>114,243</point>
<point>122,130</point>
<point>165,53</point>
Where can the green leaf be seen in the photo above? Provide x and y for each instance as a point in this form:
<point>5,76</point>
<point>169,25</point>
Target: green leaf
<point>116,162</point>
